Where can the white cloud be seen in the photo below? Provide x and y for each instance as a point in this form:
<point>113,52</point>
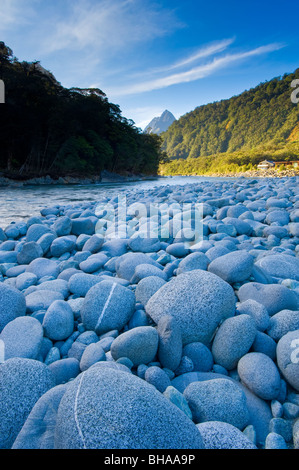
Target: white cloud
<point>192,74</point>
<point>106,26</point>
<point>15,12</point>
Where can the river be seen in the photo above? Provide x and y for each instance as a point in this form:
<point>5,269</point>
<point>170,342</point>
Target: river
<point>20,203</point>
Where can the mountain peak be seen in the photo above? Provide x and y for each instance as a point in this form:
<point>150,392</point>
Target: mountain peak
<point>161,123</point>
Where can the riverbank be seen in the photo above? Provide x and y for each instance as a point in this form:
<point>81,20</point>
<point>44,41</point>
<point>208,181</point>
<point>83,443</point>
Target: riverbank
<point>184,337</point>
<point>12,180</point>
<point>271,173</point>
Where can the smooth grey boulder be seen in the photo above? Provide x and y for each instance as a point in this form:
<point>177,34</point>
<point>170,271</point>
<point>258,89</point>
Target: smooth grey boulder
<point>220,435</point>
<point>42,267</point>
<point>22,383</point>
<point>29,252</point>
<point>233,339</point>
<point>280,266</point>
<point>94,243</point>
<point>25,280</point>
<point>58,322</point>
<point>13,304</point>
<point>198,300</point>
<point>217,400</point>
<point>41,299</point>
<point>146,270</point>
<point>147,287</point>
<point>259,373</point>
<point>105,408</point>
<point>200,356</point>
<point>80,283</point>
<point>140,345</point>
<point>62,226</point>
<point>84,225</point>
<point>257,311</point>
<point>107,306</point>
<point>275,297</point>
<point>259,410</point>
<point>56,285</point>
<point>62,245</point>
<point>287,353</point>
<point>38,429</point>
<point>93,353</point>
<point>282,323</point>
<point>126,264</point>
<point>233,267</point>
<point>36,231</point>
<point>22,337</point>
<point>193,261</point>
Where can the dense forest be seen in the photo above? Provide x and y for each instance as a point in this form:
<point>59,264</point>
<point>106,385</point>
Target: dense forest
<point>259,123</point>
<point>48,129</point>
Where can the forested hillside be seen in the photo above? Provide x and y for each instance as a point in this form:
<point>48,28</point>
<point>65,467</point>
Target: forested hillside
<point>258,121</point>
<point>48,129</point>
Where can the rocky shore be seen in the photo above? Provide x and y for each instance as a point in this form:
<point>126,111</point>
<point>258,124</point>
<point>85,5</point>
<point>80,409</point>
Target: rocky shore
<point>104,177</point>
<point>169,320</point>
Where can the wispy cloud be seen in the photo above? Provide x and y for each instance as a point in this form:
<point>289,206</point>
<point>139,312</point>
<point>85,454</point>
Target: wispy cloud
<point>105,26</point>
<point>15,12</point>
<point>194,73</point>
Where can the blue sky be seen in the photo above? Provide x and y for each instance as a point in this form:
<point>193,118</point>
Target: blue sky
<point>152,55</point>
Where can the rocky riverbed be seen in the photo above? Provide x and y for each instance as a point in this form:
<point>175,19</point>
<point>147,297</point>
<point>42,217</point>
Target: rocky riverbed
<point>168,319</point>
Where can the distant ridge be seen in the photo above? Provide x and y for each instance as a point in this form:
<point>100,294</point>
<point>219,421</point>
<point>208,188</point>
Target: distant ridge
<point>258,117</point>
<point>160,124</point>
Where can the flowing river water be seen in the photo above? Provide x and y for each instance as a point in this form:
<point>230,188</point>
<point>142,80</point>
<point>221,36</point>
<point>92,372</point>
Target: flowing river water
<point>20,203</point>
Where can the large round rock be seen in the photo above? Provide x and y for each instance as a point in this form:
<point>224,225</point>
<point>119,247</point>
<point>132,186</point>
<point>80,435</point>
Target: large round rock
<point>232,340</point>
<point>233,267</point>
<point>22,383</point>
<point>139,344</point>
<point>22,337</point>
<point>217,400</point>
<point>259,373</point>
<point>105,408</point>
<point>107,306</point>
<point>12,303</point>
<point>199,300</point>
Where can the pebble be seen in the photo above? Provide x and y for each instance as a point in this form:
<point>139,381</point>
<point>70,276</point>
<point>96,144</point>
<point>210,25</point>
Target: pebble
<point>178,400</point>
<point>157,377</point>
